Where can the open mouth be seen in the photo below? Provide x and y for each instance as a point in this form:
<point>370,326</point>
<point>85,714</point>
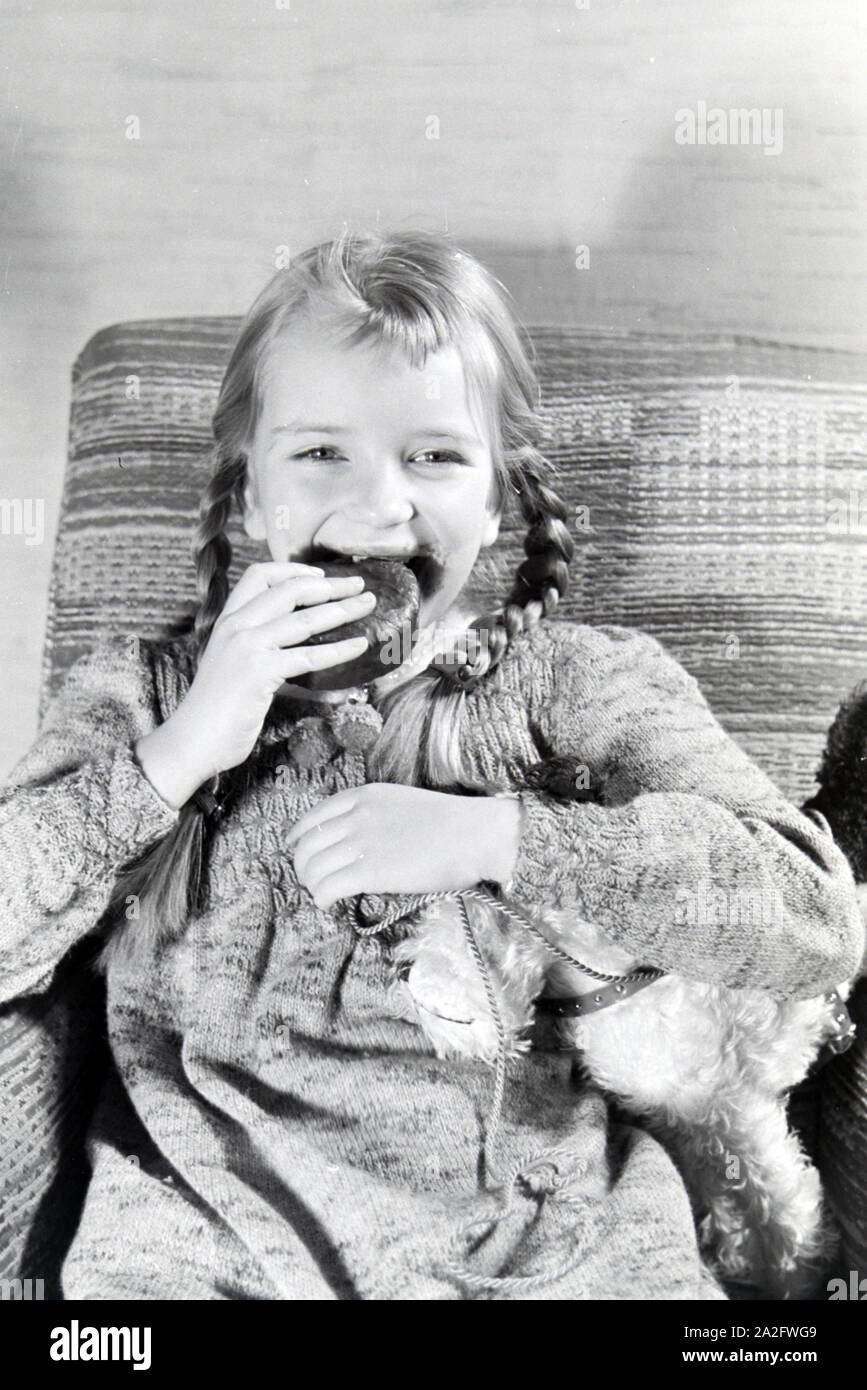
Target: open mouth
<point>424,564</point>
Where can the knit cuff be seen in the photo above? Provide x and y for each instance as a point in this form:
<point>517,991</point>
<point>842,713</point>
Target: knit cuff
<point>538,867</point>
<point>62,845</point>
<point>128,809</point>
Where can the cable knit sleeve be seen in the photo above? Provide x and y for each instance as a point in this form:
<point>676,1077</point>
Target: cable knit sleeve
<point>689,857</point>
<point>74,810</point>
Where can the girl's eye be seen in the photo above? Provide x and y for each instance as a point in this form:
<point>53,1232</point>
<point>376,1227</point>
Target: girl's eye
<point>431,458</point>
<point>438,457</point>
<point>318,449</point>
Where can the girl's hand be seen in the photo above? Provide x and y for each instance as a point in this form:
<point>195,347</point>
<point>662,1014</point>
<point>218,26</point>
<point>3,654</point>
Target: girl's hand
<point>256,644</point>
<point>385,838</point>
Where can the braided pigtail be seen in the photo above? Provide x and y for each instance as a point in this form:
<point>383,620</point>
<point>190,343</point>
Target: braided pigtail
<point>541,579</point>
<point>212,550</point>
<point>160,890</point>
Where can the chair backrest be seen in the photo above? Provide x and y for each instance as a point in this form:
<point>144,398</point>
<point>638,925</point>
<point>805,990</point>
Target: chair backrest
<point>713,485</point>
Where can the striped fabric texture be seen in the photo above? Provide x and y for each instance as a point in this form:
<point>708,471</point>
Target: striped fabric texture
<point>713,488</point>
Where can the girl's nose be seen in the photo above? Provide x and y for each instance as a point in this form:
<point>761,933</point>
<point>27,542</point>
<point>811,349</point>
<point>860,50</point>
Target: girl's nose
<point>380,496</point>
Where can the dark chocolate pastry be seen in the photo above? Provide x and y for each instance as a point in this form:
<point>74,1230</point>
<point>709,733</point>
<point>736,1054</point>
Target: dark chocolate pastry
<point>390,627</point>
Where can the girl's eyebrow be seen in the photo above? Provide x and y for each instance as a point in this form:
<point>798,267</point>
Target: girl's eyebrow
<point>456,435</point>
<point>306,427</point>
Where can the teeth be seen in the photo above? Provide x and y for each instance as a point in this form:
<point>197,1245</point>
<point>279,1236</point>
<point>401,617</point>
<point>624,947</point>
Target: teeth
<point>401,559</point>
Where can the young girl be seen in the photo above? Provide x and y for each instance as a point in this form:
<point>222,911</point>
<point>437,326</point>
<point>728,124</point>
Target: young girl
<point>252,842</point>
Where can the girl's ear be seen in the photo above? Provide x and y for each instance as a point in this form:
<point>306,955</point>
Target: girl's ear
<point>491,528</point>
<point>254,518</point>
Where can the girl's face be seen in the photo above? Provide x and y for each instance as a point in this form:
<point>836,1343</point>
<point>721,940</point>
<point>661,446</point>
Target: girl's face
<point>359,453</point>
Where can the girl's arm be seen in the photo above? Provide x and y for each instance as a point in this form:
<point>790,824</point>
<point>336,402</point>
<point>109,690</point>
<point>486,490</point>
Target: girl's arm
<point>74,810</point>
<point>703,869</point>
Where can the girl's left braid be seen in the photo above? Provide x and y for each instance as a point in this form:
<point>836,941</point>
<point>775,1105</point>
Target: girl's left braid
<point>540,582</point>
<point>543,577</point>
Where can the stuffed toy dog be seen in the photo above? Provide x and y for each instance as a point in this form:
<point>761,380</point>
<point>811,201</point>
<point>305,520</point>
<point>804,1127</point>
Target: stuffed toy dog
<point>706,1067</point>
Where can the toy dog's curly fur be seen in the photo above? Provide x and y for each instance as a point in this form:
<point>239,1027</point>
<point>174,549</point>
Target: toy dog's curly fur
<point>706,1067</point>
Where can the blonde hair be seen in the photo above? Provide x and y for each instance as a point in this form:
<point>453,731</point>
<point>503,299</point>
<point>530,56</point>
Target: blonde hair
<point>418,292</point>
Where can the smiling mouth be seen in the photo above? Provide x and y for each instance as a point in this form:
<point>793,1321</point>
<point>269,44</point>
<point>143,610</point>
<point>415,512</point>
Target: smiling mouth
<point>424,564</point>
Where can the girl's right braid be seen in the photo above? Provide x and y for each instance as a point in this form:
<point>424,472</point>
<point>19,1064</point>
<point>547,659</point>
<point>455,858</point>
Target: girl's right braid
<point>212,550</point>
<point>212,556</point>
<point>170,878</point>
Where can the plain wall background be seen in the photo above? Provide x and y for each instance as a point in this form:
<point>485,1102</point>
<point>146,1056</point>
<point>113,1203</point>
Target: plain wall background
<point>263,125</point>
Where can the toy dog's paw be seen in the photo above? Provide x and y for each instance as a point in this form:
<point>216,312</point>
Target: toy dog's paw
<point>444,993</point>
<point>462,1006</point>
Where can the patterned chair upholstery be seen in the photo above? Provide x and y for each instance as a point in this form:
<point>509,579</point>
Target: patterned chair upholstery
<point>713,488</point>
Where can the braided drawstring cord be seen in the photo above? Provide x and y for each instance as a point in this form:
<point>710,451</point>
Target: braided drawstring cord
<point>413,903</point>
<point>544,1187</point>
<point>642,973</point>
<point>493,1118</point>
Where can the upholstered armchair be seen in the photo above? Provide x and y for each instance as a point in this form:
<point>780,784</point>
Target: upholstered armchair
<point>713,489</point>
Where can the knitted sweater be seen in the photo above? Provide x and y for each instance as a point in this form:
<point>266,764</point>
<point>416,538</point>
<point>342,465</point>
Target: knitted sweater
<point>273,1126</point>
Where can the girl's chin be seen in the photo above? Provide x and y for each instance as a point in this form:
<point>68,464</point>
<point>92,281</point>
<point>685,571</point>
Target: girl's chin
<point>430,611</point>
<point>440,604</point>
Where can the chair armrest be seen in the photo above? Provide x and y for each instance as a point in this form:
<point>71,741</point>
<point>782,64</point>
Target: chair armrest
<point>53,1055</point>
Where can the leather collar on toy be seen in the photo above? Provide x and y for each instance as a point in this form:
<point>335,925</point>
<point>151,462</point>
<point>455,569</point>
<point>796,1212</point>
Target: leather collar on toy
<point>579,1005</point>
